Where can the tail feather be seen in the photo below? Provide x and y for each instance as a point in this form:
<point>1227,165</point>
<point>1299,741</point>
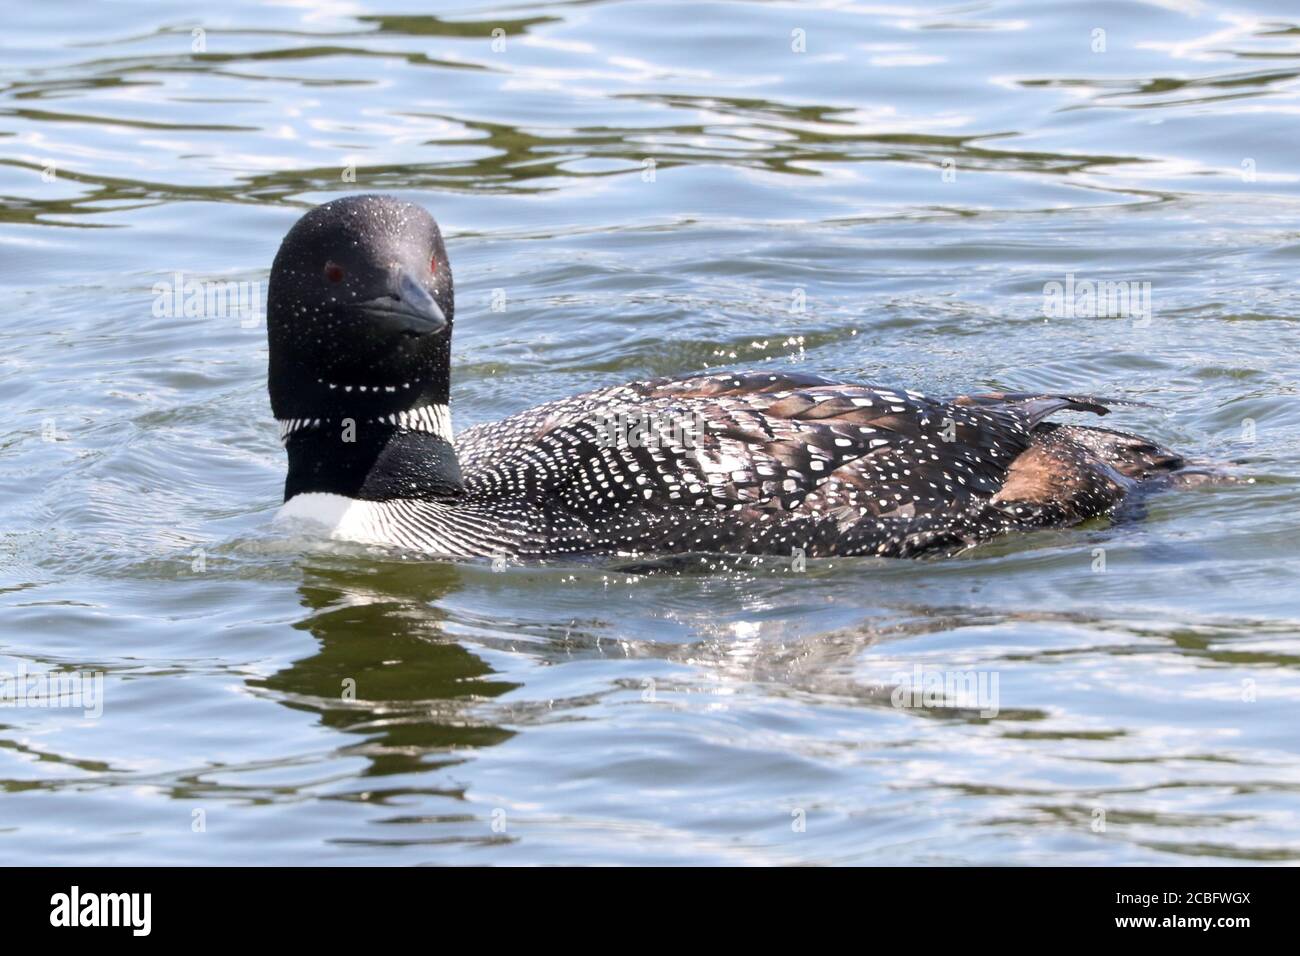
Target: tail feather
<point>1131,455</point>
<point>1033,407</point>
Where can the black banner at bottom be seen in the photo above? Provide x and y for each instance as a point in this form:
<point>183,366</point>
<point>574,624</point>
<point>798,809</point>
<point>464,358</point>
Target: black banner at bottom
<point>337,905</point>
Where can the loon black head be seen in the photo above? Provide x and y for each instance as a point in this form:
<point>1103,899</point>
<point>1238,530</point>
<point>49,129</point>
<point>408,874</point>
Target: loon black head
<point>359,312</point>
<point>359,316</point>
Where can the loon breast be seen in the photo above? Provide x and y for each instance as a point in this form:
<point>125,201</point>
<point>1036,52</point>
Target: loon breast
<point>417,524</point>
<point>349,519</point>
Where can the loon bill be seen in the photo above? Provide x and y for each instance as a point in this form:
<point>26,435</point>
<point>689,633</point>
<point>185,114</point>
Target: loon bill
<point>359,316</point>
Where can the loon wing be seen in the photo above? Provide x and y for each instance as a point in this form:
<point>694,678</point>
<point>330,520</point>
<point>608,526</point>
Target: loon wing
<point>755,439</point>
<point>718,440</point>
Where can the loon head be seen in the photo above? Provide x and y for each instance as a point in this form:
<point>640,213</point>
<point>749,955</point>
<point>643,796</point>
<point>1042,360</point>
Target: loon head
<point>359,312</point>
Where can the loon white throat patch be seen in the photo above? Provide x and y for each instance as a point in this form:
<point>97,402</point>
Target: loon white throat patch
<point>431,419</point>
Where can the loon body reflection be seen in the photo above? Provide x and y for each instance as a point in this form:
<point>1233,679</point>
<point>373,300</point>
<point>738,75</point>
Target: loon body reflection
<point>360,316</point>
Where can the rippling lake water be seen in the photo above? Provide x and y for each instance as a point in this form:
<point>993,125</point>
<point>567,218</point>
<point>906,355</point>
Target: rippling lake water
<point>878,192</point>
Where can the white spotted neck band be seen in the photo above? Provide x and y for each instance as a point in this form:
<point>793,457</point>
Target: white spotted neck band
<point>430,419</point>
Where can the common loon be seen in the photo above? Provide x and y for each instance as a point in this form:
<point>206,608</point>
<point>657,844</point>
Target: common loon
<point>359,317</point>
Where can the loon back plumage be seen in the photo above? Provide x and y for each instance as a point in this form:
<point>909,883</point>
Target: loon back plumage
<point>744,462</point>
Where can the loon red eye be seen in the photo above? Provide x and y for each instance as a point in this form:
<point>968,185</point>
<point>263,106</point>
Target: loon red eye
<point>333,272</point>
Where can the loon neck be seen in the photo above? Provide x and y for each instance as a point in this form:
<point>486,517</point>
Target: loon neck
<point>401,454</point>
